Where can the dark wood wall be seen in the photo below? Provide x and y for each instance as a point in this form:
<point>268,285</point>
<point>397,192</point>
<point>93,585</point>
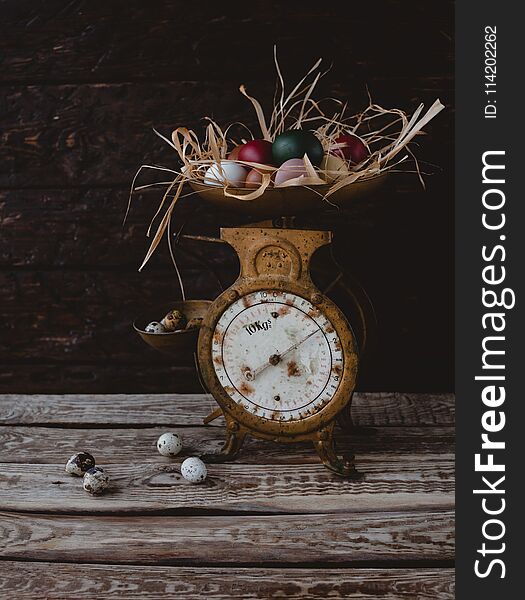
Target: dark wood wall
<point>81,86</point>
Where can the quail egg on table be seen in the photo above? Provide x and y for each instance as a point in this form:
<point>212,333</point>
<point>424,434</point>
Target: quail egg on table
<point>194,470</point>
<point>169,444</point>
<point>79,463</point>
<point>96,481</point>
<point>155,327</point>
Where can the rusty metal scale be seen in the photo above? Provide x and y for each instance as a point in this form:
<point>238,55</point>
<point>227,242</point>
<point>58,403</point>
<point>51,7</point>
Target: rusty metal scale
<point>278,356</point>
<point>276,353</point>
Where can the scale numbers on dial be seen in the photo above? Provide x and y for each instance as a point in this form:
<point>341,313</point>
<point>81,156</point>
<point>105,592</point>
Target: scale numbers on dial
<point>277,355</point>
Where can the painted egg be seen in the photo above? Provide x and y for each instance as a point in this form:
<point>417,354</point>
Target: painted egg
<point>290,170</point>
<point>194,470</point>
<point>174,320</point>
<point>334,168</point>
<point>234,154</point>
<point>96,480</point>
<point>257,151</point>
<point>295,144</point>
<point>79,463</point>
<point>155,327</point>
<point>194,323</point>
<point>228,172</point>
<point>351,148</point>
<point>169,444</point>
<point>254,178</point>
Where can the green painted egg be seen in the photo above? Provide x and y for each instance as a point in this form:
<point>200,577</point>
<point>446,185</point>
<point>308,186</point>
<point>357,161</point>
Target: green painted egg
<point>295,144</point>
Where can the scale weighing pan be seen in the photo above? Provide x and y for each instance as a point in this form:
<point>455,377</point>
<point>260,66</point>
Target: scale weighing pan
<point>178,344</point>
<point>287,201</point>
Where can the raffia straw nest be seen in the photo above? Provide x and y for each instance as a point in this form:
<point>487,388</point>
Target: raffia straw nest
<point>385,132</point>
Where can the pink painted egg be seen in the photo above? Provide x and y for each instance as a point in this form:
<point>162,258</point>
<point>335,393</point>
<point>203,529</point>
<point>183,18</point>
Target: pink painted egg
<point>290,169</point>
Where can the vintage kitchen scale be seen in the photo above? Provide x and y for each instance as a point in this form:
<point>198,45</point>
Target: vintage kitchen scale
<point>276,353</point>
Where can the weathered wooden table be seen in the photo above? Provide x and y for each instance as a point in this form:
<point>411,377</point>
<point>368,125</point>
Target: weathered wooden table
<point>274,524</point>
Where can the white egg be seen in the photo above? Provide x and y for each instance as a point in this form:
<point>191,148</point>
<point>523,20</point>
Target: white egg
<point>155,327</point>
<point>95,481</point>
<point>169,444</point>
<point>228,172</point>
<point>194,470</point>
<point>335,166</point>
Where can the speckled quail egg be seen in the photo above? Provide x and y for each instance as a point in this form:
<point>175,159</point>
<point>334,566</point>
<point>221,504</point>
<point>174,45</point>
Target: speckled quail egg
<point>96,480</point>
<point>194,323</point>
<point>169,444</point>
<point>79,463</point>
<point>174,320</point>
<point>194,470</point>
<point>155,327</point>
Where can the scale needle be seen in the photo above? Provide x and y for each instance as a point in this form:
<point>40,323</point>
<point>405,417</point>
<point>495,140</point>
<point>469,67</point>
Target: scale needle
<point>275,359</point>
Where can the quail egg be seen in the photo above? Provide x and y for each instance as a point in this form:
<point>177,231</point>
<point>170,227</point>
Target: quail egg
<point>194,470</point>
<point>96,481</point>
<point>174,320</point>
<point>79,463</point>
<point>155,327</point>
<point>169,444</point>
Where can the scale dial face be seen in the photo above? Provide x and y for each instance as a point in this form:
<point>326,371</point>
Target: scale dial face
<point>277,356</point>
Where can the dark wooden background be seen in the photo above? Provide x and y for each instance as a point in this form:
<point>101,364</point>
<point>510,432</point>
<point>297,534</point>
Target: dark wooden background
<point>83,83</point>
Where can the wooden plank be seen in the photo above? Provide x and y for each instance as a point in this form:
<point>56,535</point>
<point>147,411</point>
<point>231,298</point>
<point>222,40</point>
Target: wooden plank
<point>79,357</point>
<point>81,313</point>
<point>99,134</point>
<point>226,540</point>
<point>88,315</point>
<point>77,308</point>
<point>96,42</point>
<point>103,78</point>
<point>82,139</point>
<point>27,581</point>
<point>53,445</point>
<point>88,229</point>
<point>33,376</point>
<point>391,483</point>
<point>166,410</point>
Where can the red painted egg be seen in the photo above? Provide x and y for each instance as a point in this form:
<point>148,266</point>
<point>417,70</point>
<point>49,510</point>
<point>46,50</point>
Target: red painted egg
<point>257,151</point>
<point>351,148</point>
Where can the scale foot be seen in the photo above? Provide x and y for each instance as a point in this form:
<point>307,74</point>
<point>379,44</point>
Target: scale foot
<point>232,445</point>
<point>343,466</point>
